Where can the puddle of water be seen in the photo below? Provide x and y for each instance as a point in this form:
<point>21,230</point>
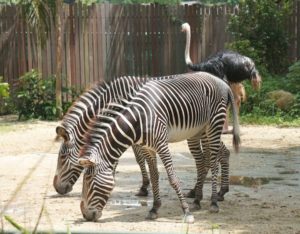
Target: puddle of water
<point>289,172</point>
<point>291,184</point>
<point>251,181</point>
<point>129,202</point>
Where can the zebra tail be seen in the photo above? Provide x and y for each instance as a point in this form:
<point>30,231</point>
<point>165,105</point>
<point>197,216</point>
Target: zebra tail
<point>236,141</point>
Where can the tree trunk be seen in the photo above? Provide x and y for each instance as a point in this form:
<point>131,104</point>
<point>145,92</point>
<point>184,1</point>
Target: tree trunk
<point>58,89</point>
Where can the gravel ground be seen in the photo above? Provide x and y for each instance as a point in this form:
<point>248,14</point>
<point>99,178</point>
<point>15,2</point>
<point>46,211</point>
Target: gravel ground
<point>264,193</point>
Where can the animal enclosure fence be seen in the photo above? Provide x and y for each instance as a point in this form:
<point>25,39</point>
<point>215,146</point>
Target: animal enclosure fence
<point>103,41</point>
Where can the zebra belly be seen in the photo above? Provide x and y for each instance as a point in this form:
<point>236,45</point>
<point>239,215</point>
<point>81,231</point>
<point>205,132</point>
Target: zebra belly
<point>179,134</point>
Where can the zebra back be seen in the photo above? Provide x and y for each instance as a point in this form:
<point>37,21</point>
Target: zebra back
<point>76,121</point>
<point>187,103</point>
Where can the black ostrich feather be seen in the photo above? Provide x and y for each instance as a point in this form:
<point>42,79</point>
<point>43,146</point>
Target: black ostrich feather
<point>227,65</point>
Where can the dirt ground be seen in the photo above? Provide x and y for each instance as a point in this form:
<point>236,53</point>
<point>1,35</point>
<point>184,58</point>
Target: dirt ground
<point>264,194</point>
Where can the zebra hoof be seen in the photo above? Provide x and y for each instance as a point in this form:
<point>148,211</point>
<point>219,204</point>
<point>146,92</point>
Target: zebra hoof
<point>152,215</point>
<point>222,192</point>
<point>220,197</point>
<point>189,218</point>
<point>196,205</point>
<point>143,192</point>
<point>191,194</point>
<point>214,208</point>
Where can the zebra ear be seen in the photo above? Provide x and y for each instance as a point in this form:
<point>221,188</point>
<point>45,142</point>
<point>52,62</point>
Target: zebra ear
<point>62,132</point>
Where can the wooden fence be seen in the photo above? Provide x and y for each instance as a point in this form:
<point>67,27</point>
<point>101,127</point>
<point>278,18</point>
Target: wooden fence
<point>104,41</point>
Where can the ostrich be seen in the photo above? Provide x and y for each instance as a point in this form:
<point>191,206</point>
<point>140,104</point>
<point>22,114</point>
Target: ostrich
<point>227,65</point>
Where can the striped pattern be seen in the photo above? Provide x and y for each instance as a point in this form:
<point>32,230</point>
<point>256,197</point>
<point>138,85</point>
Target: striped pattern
<point>77,121</point>
<point>191,106</point>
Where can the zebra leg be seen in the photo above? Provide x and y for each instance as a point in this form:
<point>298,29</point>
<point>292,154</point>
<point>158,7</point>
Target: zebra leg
<point>166,158</point>
<point>224,161</point>
<point>140,158</point>
<point>154,176</point>
<point>214,150</point>
<point>197,192</point>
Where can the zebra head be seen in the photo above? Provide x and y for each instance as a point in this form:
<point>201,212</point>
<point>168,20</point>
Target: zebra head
<point>96,189</point>
<point>98,156</point>
<point>68,170</point>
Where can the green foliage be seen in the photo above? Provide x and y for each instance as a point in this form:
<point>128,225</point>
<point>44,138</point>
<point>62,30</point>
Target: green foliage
<point>5,107</point>
<point>35,97</point>
<point>167,2</point>
<point>232,2</point>
<point>4,88</point>
<point>259,109</point>
<point>38,15</point>
<point>73,93</point>
<point>16,225</point>
<point>293,78</point>
<point>263,24</point>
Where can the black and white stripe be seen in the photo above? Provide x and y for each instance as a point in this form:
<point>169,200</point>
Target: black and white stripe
<point>77,121</point>
<point>191,106</point>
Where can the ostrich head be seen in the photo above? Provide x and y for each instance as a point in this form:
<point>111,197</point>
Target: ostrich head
<point>185,27</point>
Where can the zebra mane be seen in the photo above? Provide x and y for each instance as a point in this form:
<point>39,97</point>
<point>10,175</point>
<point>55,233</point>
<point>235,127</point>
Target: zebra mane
<point>93,136</point>
<point>68,121</point>
<point>98,168</point>
<point>88,105</point>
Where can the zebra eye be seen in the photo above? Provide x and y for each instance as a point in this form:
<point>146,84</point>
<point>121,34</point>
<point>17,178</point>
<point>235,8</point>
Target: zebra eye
<point>63,156</point>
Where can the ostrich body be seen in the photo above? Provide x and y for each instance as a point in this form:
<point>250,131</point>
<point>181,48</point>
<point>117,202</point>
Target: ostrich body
<point>227,65</point>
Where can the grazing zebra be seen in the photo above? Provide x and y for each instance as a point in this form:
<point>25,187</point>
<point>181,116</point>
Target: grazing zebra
<point>191,106</point>
<point>76,122</point>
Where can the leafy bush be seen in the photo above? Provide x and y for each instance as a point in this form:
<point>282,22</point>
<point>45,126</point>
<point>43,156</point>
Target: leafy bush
<point>260,109</point>
<point>35,97</point>
<point>293,78</point>
<point>5,106</point>
<point>263,24</point>
<point>73,94</point>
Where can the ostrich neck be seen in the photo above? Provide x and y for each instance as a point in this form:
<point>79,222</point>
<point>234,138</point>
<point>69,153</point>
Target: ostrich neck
<point>187,47</point>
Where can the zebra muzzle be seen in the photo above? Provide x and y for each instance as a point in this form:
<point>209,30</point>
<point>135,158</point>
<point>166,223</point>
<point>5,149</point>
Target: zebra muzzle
<point>90,214</point>
<point>61,188</point>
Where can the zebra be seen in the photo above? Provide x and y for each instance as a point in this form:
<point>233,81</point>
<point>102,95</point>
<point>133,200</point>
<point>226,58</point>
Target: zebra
<point>76,122</point>
<point>191,106</point>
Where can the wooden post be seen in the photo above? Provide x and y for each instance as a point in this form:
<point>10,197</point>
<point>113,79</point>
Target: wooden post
<point>58,89</point>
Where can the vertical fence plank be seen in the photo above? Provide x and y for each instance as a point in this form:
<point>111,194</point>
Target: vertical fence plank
<point>67,81</point>
<point>91,56</point>
<point>77,81</point>
<point>104,40</point>
<point>95,62</point>
<point>72,46</point>
<point>297,26</point>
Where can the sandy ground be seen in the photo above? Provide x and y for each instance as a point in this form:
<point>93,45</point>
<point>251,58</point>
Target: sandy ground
<point>264,193</point>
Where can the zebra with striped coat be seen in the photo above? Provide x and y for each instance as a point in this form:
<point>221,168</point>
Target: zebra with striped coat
<point>189,106</point>
<point>77,121</point>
